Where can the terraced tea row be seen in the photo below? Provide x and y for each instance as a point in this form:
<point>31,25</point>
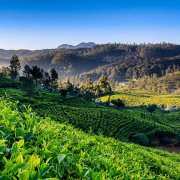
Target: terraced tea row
<point>136,99</point>
<point>109,122</point>
<point>36,148</point>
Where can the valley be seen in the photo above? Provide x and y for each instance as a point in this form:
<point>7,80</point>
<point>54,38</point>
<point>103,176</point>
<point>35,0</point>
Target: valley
<point>118,124</point>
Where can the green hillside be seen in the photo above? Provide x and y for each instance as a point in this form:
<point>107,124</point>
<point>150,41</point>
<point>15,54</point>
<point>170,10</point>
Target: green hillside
<point>5,82</point>
<point>89,116</point>
<point>136,97</point>
<point>36,148</point>
<point>119,124</point>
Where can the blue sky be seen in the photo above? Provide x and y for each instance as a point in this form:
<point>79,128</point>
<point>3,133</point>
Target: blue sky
<point>38,24</point>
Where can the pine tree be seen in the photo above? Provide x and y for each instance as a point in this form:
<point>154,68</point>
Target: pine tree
<point>54,79</point>
<point>36,73</point>
<point>46,80</point>
<point>27,71</point>
<point>14,66</point>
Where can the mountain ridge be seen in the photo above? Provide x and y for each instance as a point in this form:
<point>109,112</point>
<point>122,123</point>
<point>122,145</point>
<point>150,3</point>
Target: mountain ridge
<point>78,46</point>
<point>116,61</point>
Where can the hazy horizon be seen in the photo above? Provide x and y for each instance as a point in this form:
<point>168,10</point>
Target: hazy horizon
<point>93,42</point>
<point>48,24</point>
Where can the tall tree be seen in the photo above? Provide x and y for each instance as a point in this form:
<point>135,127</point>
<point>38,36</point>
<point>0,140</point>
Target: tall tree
<point>104,85</point>
<point>27,85</point>
<point>54,75</point>
<point>27,71</point>
<point>46,80</point>
<point>36,73</point>
<point>14,66</point>
<point>69,87</point>
<point>86,86</point>
<point>54,79</point>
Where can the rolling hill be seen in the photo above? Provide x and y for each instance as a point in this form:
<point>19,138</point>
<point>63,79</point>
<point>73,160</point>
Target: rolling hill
<point>41,148</point>
<point>79,46</point>
<point>89,116</point>
<point>117,61</point>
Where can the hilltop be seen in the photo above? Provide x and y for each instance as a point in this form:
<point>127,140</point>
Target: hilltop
<point>117,61</point>
<point>79,46</point>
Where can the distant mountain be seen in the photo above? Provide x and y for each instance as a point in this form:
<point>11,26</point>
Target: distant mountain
<point>79,46</point>
<point>22,53</point>
<point>118,62</point>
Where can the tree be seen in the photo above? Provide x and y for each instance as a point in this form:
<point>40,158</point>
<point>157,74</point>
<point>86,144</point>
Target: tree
<point>36,74</point>
<point>54,75</point>
<point>69,87</point>
<point>151,108</point>
<point>54,78</point>
<point>14,66</point>
<point>27,85</point>
<point>46,80</point>
<point>86,86</point>
<point>27,71</point>
<point>117,102</point>
<point>63,92</point>
<point>104,85</point>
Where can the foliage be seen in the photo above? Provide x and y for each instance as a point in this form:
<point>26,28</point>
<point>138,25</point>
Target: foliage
<point>136,97</point>
<point>5,71</point>
<point>116,61</point>
<point>37,73</point>
<point>151,108</point>
<point>8,83</point>
<point>87,115</point>
<point>14,66</point>
<point>141,138</point>
<point>165,84</point>
<point>99,87</point>
<point>63,92</point>
<point>27,85</point>
<point>27,71</point>
<point>36,148</point>
<point>113,123</point>
<point>53,79</point>
<point>118,102</point>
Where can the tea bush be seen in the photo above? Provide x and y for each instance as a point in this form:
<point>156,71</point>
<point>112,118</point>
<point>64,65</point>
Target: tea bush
<point>141,138</point>
<point>35,148</point>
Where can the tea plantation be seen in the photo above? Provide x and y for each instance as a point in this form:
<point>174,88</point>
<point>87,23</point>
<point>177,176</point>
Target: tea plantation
<point>88,116</point>
<point>109,122</point>
<point>136,97</point>
<point>35,148</point>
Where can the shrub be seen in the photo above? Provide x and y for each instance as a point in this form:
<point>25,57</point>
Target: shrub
<point>6,83</point>
<point>178,137</point>
<point>151,108</point>
<point>119,103</point>
<point>63,92</point>
<point>141,138</point>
